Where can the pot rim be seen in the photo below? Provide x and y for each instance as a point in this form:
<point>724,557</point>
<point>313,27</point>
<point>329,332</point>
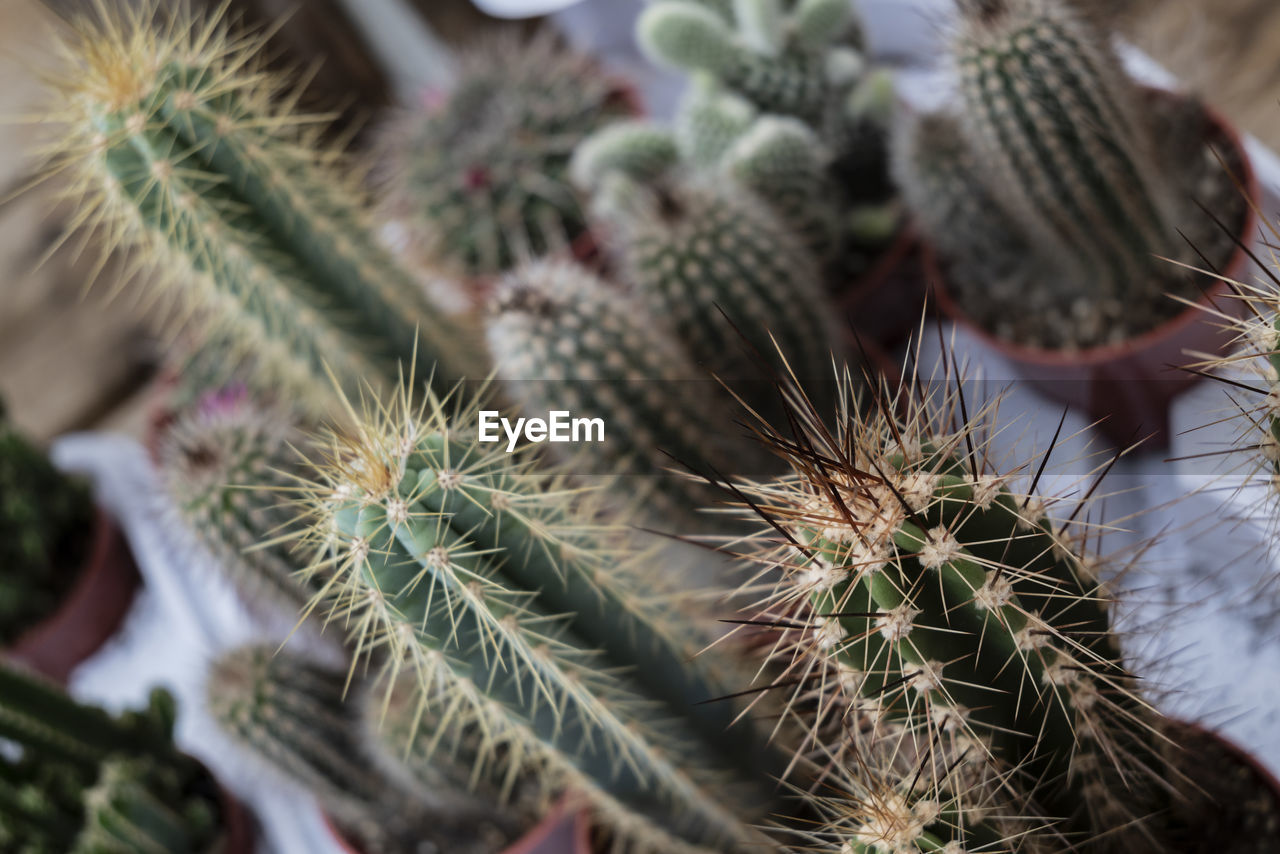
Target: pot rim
<point>1217,287</point>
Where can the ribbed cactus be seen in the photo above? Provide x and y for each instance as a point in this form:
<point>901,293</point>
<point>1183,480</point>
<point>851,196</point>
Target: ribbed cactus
<point>46,519</point>
<point>83,782</point>
<point>229,468</point>
<point>479,179</point>
<point>564,339</point>
<point>948,641</point>
<point>311,724</point>
<point>516,612</point>
<point>1084,180</point>
<point>184,152</point>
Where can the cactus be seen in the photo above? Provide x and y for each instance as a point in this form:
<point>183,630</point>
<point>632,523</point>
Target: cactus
<point>479,181</point>
<point>305,720</point>
<point>184,151</point>
<point>228,467</point>
<point>949,642</point>
<point>45,519</point>
<point>86,783</point>
<point>563,339</point>
<point>511,607</point>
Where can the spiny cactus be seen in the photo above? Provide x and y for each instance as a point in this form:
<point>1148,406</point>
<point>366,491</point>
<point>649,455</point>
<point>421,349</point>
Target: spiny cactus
<point>228,468</point>
<point>45,524</point>
<point>479,180</point>
<point>564,339</point>
<point>86,783</point>
<point>947,640</point>
<point>1084,177</point>
<point>181,149</point>
<point>307,721</point>
<point>513,609</point>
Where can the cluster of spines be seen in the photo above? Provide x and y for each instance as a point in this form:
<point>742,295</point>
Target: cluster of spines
<point>509,605</point>
<point>182,150</point>
<point>45,521</point>
<point>83,782</point>
<point>948,643</point>
<point>479,181</point>
<point>228,467</point>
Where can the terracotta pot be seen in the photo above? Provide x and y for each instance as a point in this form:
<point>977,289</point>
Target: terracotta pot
<point>886,303</point>
<point>563,831</point>
<point>1127,387</point>
<point>239,836</point>
<point>92,611</point>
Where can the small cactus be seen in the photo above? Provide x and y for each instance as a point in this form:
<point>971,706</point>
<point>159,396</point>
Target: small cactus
<point>479,180</point>
<point>183,151</point>
<point>949,643</point>
<point>45,522</point>
<point>83,782</point>
<point>512,608</point>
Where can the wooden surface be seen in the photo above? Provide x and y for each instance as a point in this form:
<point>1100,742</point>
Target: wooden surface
<point>72,360</point>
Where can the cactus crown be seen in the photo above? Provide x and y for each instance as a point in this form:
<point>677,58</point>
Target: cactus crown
<point>946,639</point>
<point>83,782</point>
<point>45,519</point>
<point>183,151</point>
<point>478,180</point>
<point>514,611</point>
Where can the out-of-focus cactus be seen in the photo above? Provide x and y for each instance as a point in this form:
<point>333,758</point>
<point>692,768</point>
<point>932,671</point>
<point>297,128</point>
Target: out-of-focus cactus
<point>83,782</point>
<point>478,177</point>
<point>45,522</point>
<point>184,152</point>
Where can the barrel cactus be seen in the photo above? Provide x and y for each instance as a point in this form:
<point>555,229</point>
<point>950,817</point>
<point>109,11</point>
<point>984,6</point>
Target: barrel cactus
<point>477,177</point>
<point>45,524</point>
<point>83,782</point>
<point>514,609</point>
<point>182,150</point>
<point>1077,178</point>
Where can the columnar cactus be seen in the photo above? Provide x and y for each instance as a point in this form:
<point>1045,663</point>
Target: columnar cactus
<point>949,645</point>
<point>182,150</point>
<point>564,339</point>
<point>478,180</point>
<point>515,613</point>
<point>45,522</point>
<point>1077,179</point>
<point>229,468</point>
<point>85,783</point>
<point>309,723</point>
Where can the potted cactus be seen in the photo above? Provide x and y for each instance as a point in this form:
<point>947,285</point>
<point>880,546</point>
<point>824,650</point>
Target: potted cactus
<point>81,781</point>
<point>1053,192</point>
<point>804,61</point>
<point>69,577</point>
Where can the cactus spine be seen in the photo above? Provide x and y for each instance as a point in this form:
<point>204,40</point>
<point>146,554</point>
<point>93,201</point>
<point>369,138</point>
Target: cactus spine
<point>86,783</point>
<point>181,152</point>
<point>511,607</point>
<point>951,644</point>
<point>479,181</point>
<point>45,519</point>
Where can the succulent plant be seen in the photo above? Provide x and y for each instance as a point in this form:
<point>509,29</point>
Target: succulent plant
<point>946,639</point>
<point>183,151</point>
<point>228,469</point>
<point>308,722</point>
<point>82,782</point>
<point>45,520</point>
<point>478,178</point>
<point>513,609</point>
<point>1070,168</point>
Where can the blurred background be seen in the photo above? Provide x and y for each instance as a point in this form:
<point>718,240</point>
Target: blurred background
<point>73,358</point>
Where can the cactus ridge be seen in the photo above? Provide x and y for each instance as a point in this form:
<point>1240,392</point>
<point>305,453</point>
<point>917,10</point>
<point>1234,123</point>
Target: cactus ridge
<point>178,151</point>
<point>924,604</point>
<point>477,578</point>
